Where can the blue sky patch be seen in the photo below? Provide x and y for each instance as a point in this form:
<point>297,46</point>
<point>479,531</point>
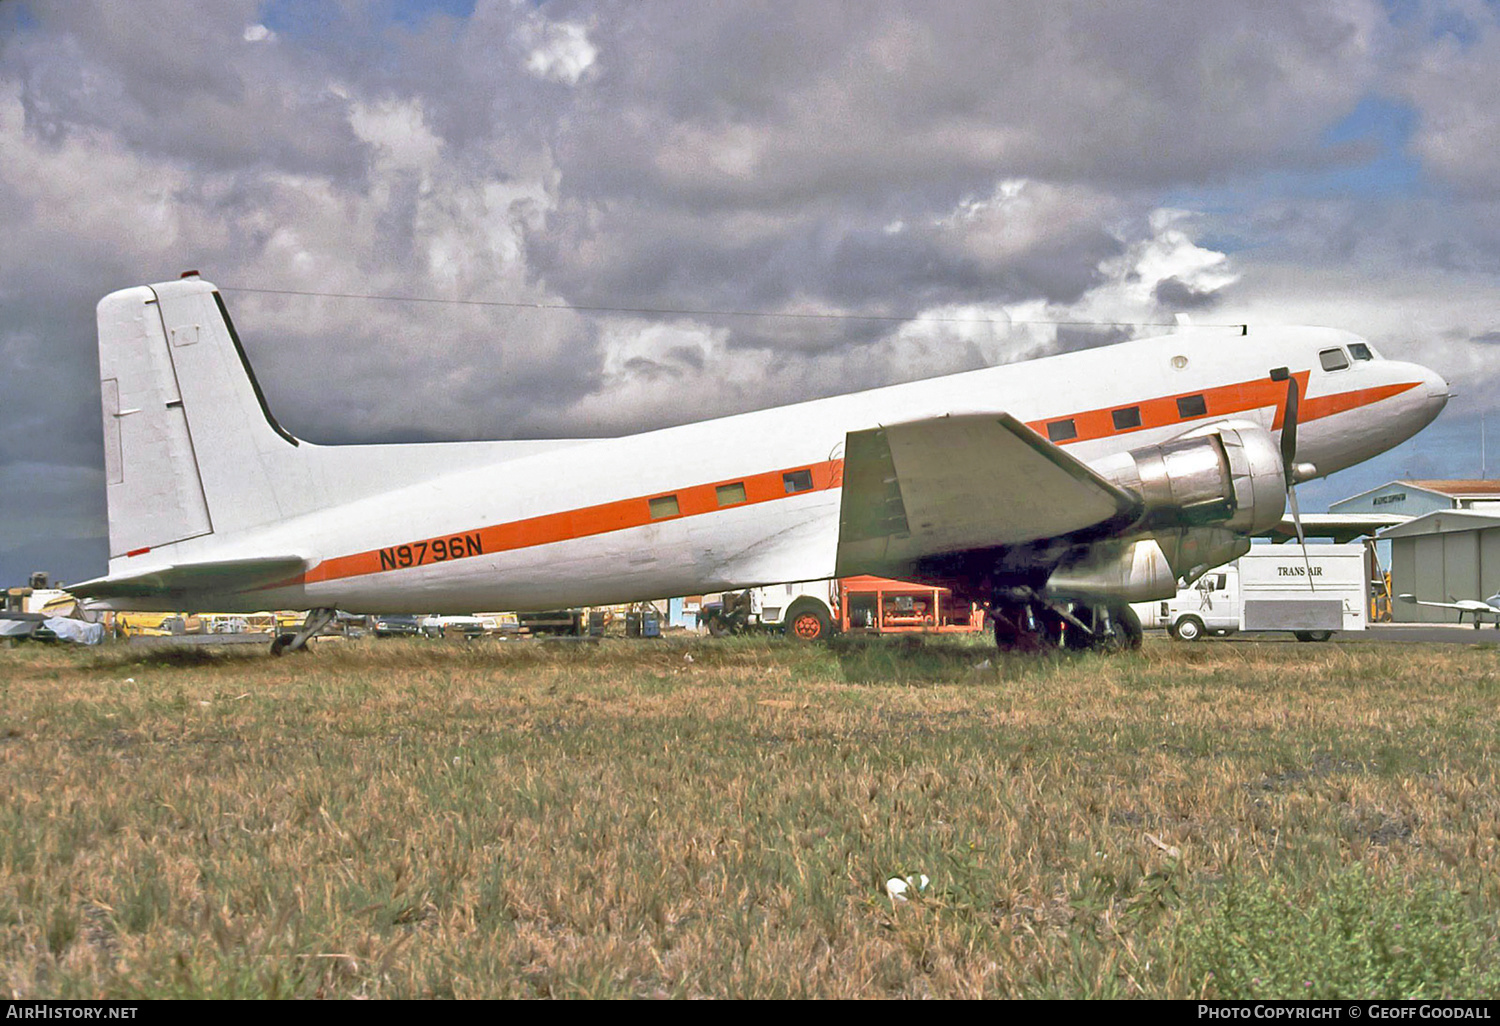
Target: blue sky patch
<point>304,18</point>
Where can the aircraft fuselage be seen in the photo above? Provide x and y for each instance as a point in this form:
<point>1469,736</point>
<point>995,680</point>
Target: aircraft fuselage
<point>754,498</point>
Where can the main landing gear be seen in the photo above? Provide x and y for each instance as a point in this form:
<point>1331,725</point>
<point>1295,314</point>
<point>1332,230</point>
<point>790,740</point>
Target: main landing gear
<point>316,620</point>
<point>1031,625</point>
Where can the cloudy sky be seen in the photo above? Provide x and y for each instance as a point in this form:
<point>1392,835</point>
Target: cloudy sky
<point>985,166</point>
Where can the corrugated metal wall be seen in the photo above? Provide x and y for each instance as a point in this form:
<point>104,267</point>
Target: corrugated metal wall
<point>1435,567</point>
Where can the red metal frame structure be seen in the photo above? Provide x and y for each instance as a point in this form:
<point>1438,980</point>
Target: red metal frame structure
<point>877,605</point>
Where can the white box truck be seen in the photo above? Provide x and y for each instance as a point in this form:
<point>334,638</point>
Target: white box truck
<point>1268,589</point>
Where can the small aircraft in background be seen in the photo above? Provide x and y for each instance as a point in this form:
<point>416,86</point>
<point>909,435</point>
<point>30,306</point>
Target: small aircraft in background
<point>1054,492</point>
<point>1479,610</point>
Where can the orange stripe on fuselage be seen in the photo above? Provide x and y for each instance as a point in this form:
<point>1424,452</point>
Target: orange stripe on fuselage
<point>577,523</point>
<point>696,500</point>
<point>1343,402</point>
<point>1223,401</point>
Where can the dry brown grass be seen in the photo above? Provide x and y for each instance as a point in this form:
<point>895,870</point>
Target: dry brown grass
<point>409,819</point>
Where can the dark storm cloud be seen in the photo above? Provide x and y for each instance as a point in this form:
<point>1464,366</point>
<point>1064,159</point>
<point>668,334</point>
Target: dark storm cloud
<point>765,106</point>
<point>964,159</point>
<point>1074,337</point>
<point>1176,294</point>
<point>753,153</point>
<point>182,86</point>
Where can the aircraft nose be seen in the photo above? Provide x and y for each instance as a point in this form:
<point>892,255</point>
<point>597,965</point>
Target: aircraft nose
<point>1430,396</point>
<point>1437,388</point>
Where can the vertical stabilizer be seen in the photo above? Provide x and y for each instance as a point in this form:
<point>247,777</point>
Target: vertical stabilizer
<point>189,442</point>
<point>154,490</point>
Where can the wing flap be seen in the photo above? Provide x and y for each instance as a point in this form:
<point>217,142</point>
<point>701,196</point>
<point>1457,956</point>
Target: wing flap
<point>958,483</point>
<point>219,577</point>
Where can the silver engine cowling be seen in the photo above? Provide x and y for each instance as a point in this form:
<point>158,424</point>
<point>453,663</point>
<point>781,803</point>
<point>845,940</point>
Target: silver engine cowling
<point>1227,475</point>
<point>1202,495</point>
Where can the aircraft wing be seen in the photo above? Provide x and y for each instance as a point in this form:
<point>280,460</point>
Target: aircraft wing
<point>230,575</point>
<point>1412,600</point>
<point>963,482</point>
<point>1341,527</point>
<point>1470,606</point>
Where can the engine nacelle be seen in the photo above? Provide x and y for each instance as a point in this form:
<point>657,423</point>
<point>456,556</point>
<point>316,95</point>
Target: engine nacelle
<point>1227,474</point>
<point>1144,569</point>
<point>1122,571</point>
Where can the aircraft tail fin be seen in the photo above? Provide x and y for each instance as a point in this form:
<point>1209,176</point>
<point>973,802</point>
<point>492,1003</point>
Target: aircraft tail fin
<point>189,443</point>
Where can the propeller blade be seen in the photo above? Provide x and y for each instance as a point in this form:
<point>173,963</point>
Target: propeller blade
<point>1291,495</point>
<point>1289,462</point>
<point>1289,433</point>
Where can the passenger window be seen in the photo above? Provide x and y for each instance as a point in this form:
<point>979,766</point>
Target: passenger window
<point>1192,406</point>
<point>731,494</point>
<point>1333,359</point>
<point>1360,351</point>
<point>665,506</point>
<point>1062,430</point>
<point>1127,418</point>
<point>797,481</point>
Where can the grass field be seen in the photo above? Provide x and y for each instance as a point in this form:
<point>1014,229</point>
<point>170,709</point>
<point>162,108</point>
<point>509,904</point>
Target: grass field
<point>639,819</point>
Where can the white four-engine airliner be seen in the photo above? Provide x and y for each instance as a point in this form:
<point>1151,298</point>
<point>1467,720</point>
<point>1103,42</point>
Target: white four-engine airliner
<point>1053,491</point>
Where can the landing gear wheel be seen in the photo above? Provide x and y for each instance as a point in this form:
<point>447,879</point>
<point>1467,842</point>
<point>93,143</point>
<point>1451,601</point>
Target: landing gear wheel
<point>1128,633</point>
<point>808,623</point>
<point>279,646</point>
<point>1189,628</point>
<point>1313,635</point>
<point>717,628</point>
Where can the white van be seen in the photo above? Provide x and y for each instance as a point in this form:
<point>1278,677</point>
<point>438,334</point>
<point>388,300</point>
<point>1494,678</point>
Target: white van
<point>1268,589</point>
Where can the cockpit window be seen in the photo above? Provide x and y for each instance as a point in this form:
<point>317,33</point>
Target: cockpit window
<point>1360,351</point>
<point>1333,359</point>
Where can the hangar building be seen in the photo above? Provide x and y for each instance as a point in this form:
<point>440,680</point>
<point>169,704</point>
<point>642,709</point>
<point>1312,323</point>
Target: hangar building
<point>1414,498</point>
<point>1442,555</point>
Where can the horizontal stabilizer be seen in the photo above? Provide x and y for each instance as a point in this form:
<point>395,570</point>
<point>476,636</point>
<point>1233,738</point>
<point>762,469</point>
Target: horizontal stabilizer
<point>230,575</point>
<point>958,483</point>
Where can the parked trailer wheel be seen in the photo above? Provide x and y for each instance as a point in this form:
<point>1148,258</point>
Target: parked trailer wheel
<point>1313,635</point>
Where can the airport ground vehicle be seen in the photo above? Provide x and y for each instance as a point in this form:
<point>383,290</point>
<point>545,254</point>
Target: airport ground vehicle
<point>805,609</point>
<point>1268,589</point>
<point>469,627</point>
<point>564,622</point>
<point>397,625</point>
<point>814,610</point>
